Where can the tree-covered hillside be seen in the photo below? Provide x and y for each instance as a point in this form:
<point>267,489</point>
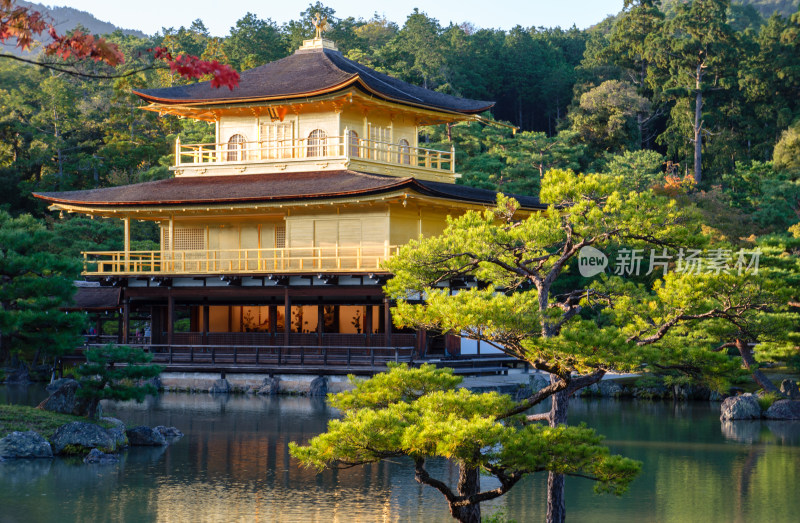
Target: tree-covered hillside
<point>654,94</point>
<point>68,18</point>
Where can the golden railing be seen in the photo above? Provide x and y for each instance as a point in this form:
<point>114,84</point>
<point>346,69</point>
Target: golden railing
<point>334,258</point>
<point>187,155</point>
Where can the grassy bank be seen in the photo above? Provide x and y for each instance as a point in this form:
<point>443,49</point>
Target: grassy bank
<point>22,418</point>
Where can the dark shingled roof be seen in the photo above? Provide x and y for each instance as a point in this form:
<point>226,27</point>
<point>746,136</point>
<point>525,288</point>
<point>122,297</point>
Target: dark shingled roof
<point>270,187</point>
<point>95,298</point>
<point>308,72</point>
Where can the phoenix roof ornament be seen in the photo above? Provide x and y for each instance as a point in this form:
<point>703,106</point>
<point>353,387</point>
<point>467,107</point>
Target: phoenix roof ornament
<point>320,24</point>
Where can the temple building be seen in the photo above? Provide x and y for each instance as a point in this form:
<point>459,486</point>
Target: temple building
<point>274,235</point>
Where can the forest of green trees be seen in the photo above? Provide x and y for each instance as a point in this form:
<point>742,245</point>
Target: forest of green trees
<point>700,100</point>
<point>619,97</point>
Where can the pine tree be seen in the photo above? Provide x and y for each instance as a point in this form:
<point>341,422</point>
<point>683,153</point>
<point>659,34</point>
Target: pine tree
<point>114,372</point>
<point>420,414</point>
<point>35,283</point>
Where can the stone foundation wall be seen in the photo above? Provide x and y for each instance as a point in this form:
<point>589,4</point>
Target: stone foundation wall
<point>247,383</point>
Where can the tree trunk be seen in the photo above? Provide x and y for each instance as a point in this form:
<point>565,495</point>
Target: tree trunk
<point>556,506</point>
<point>469,484</point>
<point>698,125</point>
<point>750,364</point>
<point>92,408</point>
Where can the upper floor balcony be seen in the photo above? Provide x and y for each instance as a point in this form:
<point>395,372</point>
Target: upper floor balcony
<point>333,258</point>
<point>315,152</point>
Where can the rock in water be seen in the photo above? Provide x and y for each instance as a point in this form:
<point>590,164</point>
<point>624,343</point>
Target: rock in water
<point>784,409</point>
<point>740,407</point>
<point>19,375</point>
<point>95,456</point>
<point>270,386</point>
<point>318,387</point>
<point>145,437</point>
<point>25,445</point>
<point>220,386</point>
<point>169,432</point>
<point>790,390</point>
<point>80,437</point>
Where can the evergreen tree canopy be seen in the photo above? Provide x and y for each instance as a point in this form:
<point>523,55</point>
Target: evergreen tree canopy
<point>35,283</point>
<point>420,414</point>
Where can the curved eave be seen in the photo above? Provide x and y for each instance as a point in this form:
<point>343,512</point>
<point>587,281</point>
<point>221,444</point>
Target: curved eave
<point>356,78</point>
<point>217,200</point>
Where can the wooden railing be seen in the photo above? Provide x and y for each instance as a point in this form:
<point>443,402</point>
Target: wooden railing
<point>334,258</point>
<point>279,151</point>
<point>264,355</point>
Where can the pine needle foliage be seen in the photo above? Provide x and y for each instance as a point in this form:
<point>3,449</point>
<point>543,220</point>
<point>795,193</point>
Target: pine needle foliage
<point>115,372</point>
<point>420,413</point>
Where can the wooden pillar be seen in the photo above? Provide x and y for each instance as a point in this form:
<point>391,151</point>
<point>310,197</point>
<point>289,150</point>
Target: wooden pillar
<point>119,326</point>
<point>170,318</point>
<point>422,343</point>
<point>155,324</point>
<point>287,316</point>
<point>126,319</point>
<point>387,323</point>
<point>127,240</point>
<point>206,322</point>
<point>320,322</point>
<point>273,320</point>
<point>368,324</point>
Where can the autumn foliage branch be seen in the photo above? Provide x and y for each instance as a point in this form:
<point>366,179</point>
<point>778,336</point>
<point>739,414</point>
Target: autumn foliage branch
<point>23,24</point>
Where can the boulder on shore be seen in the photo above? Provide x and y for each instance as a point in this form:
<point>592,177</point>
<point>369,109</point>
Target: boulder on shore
<point>64,399</point>
<point>120,437</point>
<point>784,409</point>
<point>79,437</point>
<point>744,406</point>
<point>144,436</point>
<point>101,458</point>
<point>790,389</point>
<point>538,381</point>
<point>318,387</point>
<point>25,445</point>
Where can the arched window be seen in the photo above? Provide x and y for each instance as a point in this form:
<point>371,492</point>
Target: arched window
<point>404,152</point>
<point>317,140</point>
<point>236,148</point>
<point>352,144</point>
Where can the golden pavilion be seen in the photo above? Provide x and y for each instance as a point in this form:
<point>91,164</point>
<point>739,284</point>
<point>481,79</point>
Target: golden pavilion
<point>274,235</point>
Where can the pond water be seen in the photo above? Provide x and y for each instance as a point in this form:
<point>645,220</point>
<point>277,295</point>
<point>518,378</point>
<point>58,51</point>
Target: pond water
<point>234,465</point>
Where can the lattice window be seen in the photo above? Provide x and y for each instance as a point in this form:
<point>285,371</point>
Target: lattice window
<point>165,238</point>
<point>405,151</point>
<point>317,143</point>
<point>276,140</point>
<point>353,144</point>
<point>236,148</point>
<point>280,236</point>
<point>379,137</point>
<point>190,239</point>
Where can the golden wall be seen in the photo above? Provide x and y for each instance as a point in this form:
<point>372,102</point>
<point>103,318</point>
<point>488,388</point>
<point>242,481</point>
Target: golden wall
<point>343,236</point>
